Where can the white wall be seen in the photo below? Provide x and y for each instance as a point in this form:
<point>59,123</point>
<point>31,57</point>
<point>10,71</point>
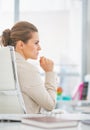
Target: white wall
<point>88,38</point>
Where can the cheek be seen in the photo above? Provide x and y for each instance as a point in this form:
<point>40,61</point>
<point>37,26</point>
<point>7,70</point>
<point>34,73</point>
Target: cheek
<point>32,48</point>
<point>29,47</point>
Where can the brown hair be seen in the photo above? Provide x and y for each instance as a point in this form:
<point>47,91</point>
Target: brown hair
<point>20,31</point>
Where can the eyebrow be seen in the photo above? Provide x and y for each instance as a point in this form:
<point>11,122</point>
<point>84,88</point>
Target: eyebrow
<point>36,40</point>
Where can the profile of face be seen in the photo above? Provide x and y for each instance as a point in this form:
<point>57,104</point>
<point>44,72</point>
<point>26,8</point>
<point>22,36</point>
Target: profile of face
<point>31,48</point>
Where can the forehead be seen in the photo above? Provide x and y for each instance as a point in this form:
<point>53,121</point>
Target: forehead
<point>34,38</point>
<point>35,35</point>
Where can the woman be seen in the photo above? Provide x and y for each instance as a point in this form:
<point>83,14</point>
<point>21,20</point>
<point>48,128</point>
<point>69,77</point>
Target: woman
<point>36,94</point>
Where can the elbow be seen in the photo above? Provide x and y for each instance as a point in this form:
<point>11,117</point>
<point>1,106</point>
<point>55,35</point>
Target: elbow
<point>51,106</point>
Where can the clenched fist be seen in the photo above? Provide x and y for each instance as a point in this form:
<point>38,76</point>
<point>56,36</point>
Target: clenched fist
<point>46,64</point>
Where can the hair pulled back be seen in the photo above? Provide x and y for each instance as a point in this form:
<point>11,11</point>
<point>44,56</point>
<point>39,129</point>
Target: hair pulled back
<point>20,31</point>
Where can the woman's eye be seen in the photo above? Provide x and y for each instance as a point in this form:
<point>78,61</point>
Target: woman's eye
<point>36,43</point>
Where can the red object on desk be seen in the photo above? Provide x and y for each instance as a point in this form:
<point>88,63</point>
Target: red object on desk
<point>59,91</point>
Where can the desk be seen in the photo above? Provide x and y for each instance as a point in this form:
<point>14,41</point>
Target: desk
<point>20,126</point>
<point>74,106</point>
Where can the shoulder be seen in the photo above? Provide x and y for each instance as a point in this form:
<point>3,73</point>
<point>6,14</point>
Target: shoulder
<point>23,64</point>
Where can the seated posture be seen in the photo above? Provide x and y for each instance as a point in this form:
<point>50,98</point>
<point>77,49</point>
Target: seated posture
<point>36,93</point>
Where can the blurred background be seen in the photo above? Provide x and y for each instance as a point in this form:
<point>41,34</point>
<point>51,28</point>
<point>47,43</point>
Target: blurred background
<point>64,29</point>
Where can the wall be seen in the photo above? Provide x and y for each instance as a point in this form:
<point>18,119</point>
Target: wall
<point>85,38</point>
<point>88,37</point>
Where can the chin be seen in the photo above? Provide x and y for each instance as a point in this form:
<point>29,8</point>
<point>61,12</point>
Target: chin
<point>34,58</point>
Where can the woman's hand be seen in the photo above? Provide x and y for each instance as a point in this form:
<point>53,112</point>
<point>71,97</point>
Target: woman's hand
<point>46,64</point>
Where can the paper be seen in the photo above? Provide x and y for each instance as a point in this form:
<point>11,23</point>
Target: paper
<point>49,122</point>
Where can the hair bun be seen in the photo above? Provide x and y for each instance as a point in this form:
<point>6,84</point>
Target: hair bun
<point>6,37</point>
<point>7,32</point>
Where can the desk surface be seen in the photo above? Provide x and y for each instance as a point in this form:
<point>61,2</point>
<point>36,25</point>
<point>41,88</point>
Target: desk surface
<point>20,126</point>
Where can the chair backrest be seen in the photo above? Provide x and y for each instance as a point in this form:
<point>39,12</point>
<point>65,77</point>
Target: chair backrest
<point>11,100</point>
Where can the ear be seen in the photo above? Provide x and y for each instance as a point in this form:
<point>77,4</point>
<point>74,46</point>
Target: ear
<point>20,44</point>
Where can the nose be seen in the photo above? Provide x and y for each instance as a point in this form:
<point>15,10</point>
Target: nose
<point>39,47</point>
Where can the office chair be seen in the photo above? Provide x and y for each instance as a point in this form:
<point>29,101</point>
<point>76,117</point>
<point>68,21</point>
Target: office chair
<point>11,100</point>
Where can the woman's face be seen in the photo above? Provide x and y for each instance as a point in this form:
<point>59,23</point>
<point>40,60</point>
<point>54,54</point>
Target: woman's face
<point>31,48</point>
